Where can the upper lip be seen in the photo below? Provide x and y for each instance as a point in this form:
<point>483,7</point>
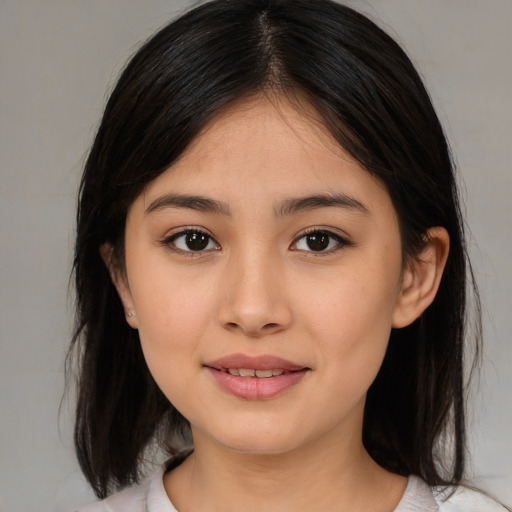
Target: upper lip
<point>260,362</point>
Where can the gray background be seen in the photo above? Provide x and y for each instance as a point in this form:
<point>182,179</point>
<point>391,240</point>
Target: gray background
<point>57,60</point>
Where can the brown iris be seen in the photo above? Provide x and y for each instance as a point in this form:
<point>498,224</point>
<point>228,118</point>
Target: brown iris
<point>196,241</point>
<point>318,241</point>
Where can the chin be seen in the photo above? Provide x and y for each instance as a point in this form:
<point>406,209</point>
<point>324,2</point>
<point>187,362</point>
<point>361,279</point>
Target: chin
<point>260,441</point>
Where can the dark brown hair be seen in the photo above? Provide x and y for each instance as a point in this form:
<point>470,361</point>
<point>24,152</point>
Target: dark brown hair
<point>372,100</point>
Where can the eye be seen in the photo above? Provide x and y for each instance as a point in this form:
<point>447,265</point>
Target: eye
<point>319,241</point>
<point>191,240</point>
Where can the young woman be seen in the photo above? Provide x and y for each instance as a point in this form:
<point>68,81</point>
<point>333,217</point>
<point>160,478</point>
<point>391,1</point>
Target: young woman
<point>271,273</point>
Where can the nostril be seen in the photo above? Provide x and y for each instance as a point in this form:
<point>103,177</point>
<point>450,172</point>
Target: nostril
<point>253,330</point>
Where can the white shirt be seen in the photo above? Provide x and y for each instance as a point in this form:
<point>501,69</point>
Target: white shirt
<point>150,496</point>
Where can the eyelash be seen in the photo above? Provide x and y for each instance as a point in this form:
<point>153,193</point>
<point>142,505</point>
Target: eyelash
<point>341,242</point>
<point>169,242</point>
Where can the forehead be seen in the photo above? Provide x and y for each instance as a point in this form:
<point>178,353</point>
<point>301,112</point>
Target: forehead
<point>266,149</point>
<point>259,127</point>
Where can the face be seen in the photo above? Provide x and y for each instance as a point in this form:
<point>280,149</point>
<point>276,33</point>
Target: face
<point>264,274</point>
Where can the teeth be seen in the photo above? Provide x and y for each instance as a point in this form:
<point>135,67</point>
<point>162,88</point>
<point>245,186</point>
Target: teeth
<point>264,373</point>
<point>248,372</point>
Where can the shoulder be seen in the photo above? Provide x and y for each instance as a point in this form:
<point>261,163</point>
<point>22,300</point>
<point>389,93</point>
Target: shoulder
<point>419,496</point>
<point>463,499</point>
<point>150,495</point>
<point>133,499</point>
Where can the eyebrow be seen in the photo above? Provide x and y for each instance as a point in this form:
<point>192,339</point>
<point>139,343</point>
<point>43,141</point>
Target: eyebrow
<point>300,204</point>
<point>191,202</point>
<point>286,207</point>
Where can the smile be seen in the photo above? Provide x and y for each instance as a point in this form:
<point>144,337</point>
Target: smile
<point>255,377</point>
<point>246,372</point>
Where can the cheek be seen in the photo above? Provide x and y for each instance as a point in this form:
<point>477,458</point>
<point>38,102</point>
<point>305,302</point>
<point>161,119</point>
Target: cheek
<point>351,322</point>
<point>173,319</point>
<point>356,303</point>
<point>173,313</point>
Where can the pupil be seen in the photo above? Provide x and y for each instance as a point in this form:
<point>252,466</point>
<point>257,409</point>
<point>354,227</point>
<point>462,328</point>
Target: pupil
<point>318,241</point>
<point>196,241</point>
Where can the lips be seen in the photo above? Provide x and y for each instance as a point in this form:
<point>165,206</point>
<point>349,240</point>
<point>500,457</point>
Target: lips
<point>255,377</point>
<point>249,372</point>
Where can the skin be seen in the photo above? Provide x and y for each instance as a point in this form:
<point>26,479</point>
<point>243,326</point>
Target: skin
<point>258,288</point>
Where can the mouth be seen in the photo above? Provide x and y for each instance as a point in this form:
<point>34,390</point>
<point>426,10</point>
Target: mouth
<point>255,377</point>
<point>251,372</point>
<point>251,366</point>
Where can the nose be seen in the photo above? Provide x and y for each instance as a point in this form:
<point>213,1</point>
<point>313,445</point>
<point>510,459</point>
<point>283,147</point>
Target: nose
<point>253,297</point>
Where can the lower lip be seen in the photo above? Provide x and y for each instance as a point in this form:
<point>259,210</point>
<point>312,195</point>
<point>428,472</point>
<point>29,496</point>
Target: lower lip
<point>256,388</point>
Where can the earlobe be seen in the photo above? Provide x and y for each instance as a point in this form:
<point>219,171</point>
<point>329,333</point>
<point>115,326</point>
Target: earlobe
<point>121,285</point>
<point>421,278</point>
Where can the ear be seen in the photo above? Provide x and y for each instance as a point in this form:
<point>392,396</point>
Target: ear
<point>421,278</point>
<point>120,282</point>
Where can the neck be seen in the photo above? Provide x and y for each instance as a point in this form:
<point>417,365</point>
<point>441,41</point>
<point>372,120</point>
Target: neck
<point>337,476</point>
